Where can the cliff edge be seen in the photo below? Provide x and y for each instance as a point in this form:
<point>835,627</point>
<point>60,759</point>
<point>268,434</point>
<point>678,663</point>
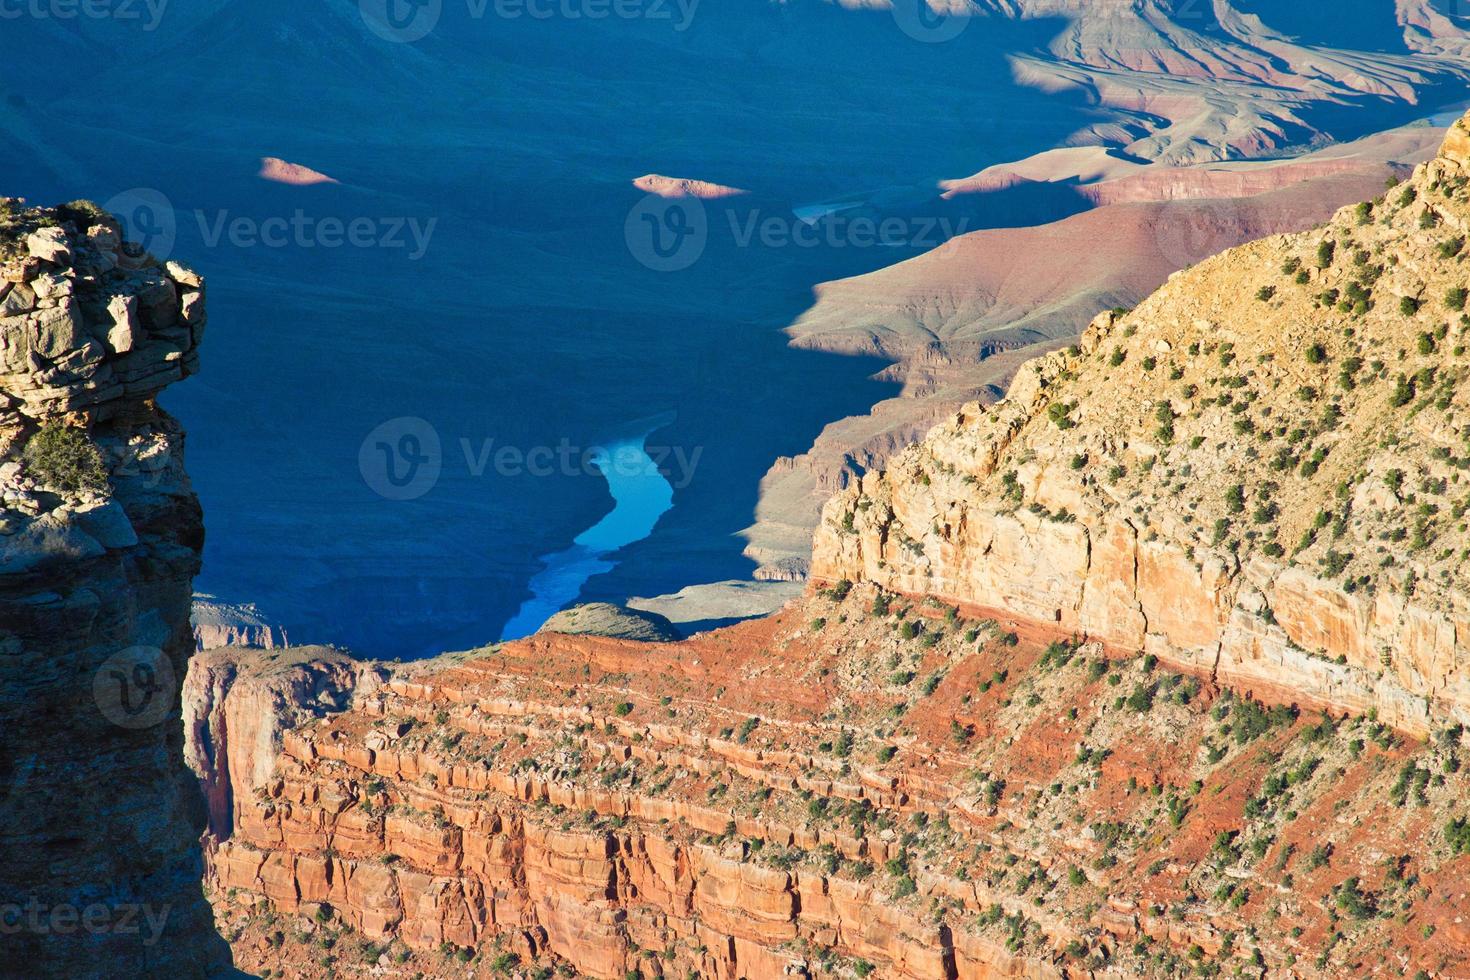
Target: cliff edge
<point>100,537</point>
<point>1258,473</point>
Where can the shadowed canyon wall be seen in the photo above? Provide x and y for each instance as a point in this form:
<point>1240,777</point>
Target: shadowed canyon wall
<point>99,819</point>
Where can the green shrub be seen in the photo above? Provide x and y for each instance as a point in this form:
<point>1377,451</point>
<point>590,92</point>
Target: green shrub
<point>1457,835</point>
<point>1403,392</point>
<point>1325,253</point>
<point>63,458</point>
<point>1142,698</point>
<point>1408,305</point>
<point>1456,297</point>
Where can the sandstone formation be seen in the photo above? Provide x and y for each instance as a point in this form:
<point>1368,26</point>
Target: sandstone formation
<point>100,536</point>
<point>1068,706</point>
<point>676,187</point>
<point>236,709</point>
<point>864,786</point>
<point>284,172</point>
<point>1254,473</point>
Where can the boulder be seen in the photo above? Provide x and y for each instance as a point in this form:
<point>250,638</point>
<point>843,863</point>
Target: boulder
<point>49,245</point>
<point>108,524</point>
<point>123,331</point>
<point>16,298</point>
<point>183,275</point>
<point>57,330</point>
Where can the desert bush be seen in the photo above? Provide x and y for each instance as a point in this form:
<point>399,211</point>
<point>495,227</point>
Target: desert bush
<point>64,458</point>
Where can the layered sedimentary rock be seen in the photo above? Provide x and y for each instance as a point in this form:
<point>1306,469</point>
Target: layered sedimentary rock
<point>862,786</point>
<point>234,624</point>
<point>1255,473</point>
<point>100,537</point>
<point>959,320</point>
<point>235,712</point>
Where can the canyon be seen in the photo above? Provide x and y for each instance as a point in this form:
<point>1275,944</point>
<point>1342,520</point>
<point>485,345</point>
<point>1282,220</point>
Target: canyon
<point>1058,703</point>
<point>1097,89</point>
<point>956,322</point>
<point>1125,635</point>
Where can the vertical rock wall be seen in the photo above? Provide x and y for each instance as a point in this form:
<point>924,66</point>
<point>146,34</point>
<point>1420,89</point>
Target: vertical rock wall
<point>99,818</point>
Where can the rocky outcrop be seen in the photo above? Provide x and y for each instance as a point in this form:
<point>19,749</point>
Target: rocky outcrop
<point>1144,487</point>
<point>858,786</point>
<point>100,537</point>
<point>959,320</point>
<point>608,619</point>
<point>229,624</point>
<point>236,709</point>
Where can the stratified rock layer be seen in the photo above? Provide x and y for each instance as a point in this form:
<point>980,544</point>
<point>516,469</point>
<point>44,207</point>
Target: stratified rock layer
<point>99,819</point>
<point>855,787</point>
<point>1257,473</point>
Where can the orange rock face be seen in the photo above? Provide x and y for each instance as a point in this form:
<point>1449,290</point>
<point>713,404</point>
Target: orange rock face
<point>857,786</point>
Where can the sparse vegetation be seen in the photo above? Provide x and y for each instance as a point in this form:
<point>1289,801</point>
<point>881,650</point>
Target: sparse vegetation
<point>64,459</point>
